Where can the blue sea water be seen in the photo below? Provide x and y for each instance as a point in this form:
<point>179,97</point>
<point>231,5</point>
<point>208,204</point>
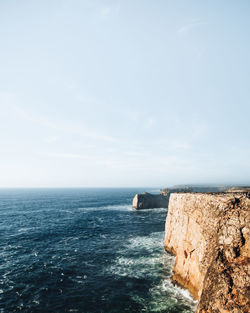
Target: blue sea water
<point>84,250</point>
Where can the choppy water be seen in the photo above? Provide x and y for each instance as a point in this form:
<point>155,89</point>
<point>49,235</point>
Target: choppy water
<point>84,250</point>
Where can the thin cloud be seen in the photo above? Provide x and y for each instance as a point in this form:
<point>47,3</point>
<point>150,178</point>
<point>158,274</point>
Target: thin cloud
<point>149,122</point>
<point>107,12</point>
<point>64,156</point>
<point>190,26</point>
<point>61,126</point>
<point>51,139</point>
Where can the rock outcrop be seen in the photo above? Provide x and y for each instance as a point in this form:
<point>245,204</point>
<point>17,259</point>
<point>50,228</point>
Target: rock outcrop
<point>149,201</point>
<point>210,236</point>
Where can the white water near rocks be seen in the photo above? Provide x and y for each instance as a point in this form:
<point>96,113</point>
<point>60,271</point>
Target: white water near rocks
<point>84,250</point>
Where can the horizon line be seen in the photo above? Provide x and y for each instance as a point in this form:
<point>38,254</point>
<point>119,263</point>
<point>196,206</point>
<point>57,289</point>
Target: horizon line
<point>119,187</point>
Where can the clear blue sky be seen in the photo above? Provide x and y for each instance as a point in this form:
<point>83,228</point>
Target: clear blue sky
<point>124,93</point>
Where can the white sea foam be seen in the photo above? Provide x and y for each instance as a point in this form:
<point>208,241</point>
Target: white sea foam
<point>156,210</point>
<point>116,207</point>
<point>67,211</point>
<point>132,262</point>
<point>36,302</point>
<point>25,229</point>
<point>162,299</point>
<point>155,240</point>
<point>176,290</point>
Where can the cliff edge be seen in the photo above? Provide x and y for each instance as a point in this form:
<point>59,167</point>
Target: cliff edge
<point>210,236</point>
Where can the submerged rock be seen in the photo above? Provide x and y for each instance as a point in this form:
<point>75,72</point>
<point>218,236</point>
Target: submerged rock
<point>210,236</point>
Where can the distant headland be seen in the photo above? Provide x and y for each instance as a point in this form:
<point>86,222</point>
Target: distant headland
<point>149,201</point>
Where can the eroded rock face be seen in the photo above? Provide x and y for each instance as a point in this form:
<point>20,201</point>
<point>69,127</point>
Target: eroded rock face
<point>209,234</point>
<point>149,201</point>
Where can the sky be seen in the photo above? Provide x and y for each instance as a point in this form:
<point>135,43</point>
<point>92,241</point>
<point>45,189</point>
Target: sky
<point>124,93</point>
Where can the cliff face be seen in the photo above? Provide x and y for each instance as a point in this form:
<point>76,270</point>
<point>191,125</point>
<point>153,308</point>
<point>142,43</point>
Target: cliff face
<point>149,201</point>
<point>210,236</point>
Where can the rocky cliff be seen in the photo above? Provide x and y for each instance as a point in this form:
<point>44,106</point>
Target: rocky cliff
<point>148,201</point>
<point>210,236</point>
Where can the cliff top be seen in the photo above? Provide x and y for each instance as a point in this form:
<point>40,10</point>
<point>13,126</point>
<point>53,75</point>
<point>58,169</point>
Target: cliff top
<point>205,189</point>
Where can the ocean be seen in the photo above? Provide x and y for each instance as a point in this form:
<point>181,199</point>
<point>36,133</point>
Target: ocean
<point>84,250</point>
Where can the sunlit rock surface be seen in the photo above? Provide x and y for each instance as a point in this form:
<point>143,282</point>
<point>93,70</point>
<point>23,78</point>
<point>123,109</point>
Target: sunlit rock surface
<point>209,234</point>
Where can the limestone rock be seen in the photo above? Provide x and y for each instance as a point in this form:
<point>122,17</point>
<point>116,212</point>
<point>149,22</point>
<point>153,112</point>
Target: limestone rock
<point>210,236</point>
<point>150,201</point>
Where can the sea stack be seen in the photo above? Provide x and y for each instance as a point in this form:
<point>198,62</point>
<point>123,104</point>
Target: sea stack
<point>210,236</point>
<point>149,201</point>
